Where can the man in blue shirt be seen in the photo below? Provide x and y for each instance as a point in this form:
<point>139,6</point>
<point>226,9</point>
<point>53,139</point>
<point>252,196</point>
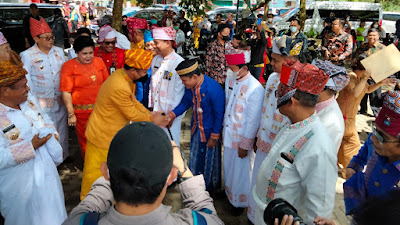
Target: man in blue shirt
<point>381,156</point>
<point>207,99</point>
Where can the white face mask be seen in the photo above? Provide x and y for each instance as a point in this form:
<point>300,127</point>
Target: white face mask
<point>269,20</point>
<point>376,26</point>
<point>234,75</point>
<point>293,29</point>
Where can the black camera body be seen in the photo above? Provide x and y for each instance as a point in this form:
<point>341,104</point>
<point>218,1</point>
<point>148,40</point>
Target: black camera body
<point>278,208</point>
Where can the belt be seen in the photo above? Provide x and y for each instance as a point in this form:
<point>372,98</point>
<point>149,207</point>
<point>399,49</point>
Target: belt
<point>84,107</point>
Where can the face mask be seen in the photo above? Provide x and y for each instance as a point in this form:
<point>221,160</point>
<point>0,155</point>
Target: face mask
<point>176,27</point>
<point>376,26</point>
<point>293,29</point>
<point>348,19</point>
<point>153,21</point>
<point>142,79</point>
<point>226,38</point>
<point>234,75</point>
<point>269,20</point>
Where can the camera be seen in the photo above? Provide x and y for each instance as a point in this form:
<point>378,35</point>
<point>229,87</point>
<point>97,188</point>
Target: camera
<point>278,208</point>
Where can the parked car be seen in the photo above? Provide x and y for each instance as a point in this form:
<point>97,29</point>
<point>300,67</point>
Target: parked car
<point>226,10</point>
<point>356,10</point>
<point>175,8</point>
<point>147,13</point>
<point>11,19</point>
<point>389,21</point>
<point>130,11</point>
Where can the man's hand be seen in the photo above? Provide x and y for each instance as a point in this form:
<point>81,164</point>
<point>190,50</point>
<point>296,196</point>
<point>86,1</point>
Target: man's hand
<point>349,172</point>
<point>160,119</point>
<point>323,221</point>
<point>38,142</point>
<point>242,153</point>
<point>211,143</point>
<point>286,220</point>
<point>72,120</point>
<point>389,81</point>
<point>242,72</point>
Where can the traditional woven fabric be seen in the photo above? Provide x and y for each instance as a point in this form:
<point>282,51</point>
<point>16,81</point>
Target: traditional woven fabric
<point>303,77</point>
<point>147,36</point>
<point>236,56</point>
<point>388,118</point>
<point>285,45</point>
<point>138,58</point>
<point>136,23</point>
<point>103,32</point>
<point>3,40</point>
<point>10,73</point>
<point>39,27</point>
<point>338,78</point>
<point>164,33</point>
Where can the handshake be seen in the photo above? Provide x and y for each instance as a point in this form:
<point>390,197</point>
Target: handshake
<point>161,119</point>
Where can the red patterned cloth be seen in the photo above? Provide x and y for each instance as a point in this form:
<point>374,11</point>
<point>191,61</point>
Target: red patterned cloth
<point>236,56</point>
<point>303,77</point>
<point>136,23</point>
<point>164,33</point>
<point>39,27</point>
<point>388,118</point>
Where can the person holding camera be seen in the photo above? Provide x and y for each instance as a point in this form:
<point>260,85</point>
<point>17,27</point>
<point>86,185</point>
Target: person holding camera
<point>138,185</point>
<point>301,166</point>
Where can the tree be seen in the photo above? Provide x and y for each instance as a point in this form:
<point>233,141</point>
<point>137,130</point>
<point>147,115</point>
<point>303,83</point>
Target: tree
<point>302,14</point>
<point>117,15</point>
<point>195,8</point>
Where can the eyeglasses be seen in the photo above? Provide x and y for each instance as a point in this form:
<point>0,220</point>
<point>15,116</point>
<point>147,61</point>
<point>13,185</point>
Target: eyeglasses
<point>380,136</point>
<point>109,42</point>
<point>49,38</point>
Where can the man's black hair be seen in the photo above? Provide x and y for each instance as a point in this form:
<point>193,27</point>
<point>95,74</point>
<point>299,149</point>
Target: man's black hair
<point>219,14</point>
<point>356,62</point>
<point>373,30</point>
<point>129,186</point>
<point>296,19</point>
<point>57,12</point>
<point>271,14</point>
<point>33,6</point>
<point>238,37</point>
<point>221,27</point>
<point>260,16</point>
<point>82,42</point>
<point>83,30</point>
<point>306,99</point>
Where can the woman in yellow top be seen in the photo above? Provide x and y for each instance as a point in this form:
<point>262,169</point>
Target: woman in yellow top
<point>81,79</point>
<point>348,100</point>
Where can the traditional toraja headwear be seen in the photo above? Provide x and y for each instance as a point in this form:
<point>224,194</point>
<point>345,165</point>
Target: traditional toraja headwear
<point>388,118</point>
<point>338,78</point>
<point>187,67</point>
<point>138,58</point>
<point>136,23</point>
<point>138,146</point>
<point>10,73</point>
<point>303,77</point>
<point>147,36</point>
<point>39,27</point>
<point>164,33</point>
<point>103,32</point>
<point>284,46</point>
<point>236,56</point>
<point>3,40</point>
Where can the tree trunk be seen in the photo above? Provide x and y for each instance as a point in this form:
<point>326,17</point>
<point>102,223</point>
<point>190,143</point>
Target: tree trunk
<point>117,15</point>
<point>266,9</point>
<point>302,14</point>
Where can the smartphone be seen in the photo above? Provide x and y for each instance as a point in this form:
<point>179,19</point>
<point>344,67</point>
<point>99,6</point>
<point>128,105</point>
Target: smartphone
<point>258,21</point>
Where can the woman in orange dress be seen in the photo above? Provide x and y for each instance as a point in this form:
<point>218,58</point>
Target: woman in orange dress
<point>81,79</point>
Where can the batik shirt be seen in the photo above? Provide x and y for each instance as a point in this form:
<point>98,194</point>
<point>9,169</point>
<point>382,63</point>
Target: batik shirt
<point>215,62</point>
<point>340,45</point>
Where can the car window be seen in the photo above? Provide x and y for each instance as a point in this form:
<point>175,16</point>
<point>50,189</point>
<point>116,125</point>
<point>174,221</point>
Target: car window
<point>392,17</point>
<point>142,15</point>
<point>158,14</point>
<point>16,15</point>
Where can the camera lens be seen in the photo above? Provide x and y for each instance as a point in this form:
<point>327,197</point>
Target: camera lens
<point>278,208</point>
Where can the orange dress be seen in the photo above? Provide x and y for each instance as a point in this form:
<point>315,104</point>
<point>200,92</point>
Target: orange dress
<point>83,81</point>
<point>348,104</point>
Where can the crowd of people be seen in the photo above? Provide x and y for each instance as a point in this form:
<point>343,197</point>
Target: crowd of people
<point>286,127</point>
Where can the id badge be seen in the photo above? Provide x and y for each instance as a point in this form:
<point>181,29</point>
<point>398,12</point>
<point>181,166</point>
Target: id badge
<point>112,69</point>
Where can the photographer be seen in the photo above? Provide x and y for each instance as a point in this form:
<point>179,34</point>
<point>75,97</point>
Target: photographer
<point>136,176</point>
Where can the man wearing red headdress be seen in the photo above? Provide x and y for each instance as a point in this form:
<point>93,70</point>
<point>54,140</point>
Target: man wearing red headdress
<point>136,27</point>
<point>301,165</point>
<point>31,190</point>
<point>380,155</point>
<point>43,61</point>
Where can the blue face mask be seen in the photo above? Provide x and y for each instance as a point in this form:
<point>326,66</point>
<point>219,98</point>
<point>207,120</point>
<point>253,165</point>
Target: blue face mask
<point>293,29</point>
<point>153,21</point>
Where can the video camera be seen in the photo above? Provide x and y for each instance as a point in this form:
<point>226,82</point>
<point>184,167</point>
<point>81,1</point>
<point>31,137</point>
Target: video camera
<point>278,208</point>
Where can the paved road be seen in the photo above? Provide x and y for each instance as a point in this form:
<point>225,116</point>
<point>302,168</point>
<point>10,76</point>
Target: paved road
<point>71,175</point>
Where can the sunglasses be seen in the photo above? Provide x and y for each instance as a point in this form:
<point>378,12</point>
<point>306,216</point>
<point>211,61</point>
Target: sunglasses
<point>109,42</point>
<point>49,38</point>
<point>380,136</point>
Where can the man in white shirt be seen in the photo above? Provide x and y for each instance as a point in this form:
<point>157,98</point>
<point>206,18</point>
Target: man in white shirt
<point>301,166</point>
<point>166,88</point>
<point>327,107</point>
<point>179,39</point>
<point>43,61</point>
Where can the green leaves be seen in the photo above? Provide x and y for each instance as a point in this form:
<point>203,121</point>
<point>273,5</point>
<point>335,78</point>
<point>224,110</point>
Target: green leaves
<point>195,8</point>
